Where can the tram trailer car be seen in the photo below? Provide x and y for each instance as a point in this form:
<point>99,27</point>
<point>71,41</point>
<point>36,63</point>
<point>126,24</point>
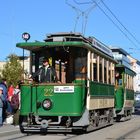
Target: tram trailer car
<point>124,93</point>
<point>84,100</point>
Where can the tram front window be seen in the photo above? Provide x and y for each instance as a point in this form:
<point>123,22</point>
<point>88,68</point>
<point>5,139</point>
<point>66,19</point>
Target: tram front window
<point>69,65</point>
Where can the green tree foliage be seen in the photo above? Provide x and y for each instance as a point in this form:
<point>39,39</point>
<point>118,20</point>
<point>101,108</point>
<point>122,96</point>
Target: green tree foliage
<point>13,70</point>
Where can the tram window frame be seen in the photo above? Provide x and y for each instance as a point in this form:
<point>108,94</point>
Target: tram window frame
<point>103,73</point>
<point>126,80</point>
<point>118,78</point>
<point>92,66</point>
<point>105,69</point>
<point>113,74</point>
<point>100,69</point>
<point>109,73</point>
<point>32,63</point>
<point>95,67</point>
<point>80,64</point>
<point>37,60</point>
<point>130,82</point>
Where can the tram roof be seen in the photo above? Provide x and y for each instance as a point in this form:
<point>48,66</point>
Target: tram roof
<point>127,70</point>
<point>34,46</point>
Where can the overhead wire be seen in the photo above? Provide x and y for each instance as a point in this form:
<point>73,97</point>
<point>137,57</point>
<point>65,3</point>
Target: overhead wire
<point>125,34</point>
<point>88,2</point>
<point>118,27</point>
<point>83,13</point>
<point>120,22</point>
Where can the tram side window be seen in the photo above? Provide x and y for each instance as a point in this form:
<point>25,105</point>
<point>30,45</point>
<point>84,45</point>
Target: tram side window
<point>128,82</point>
<point>60,70</point>
<point>32,65</point>
<point>100,70</point>
<point>80,65</point>
<point>105,64</point>
<point>95,68</point>
<point>113,74</point>
<point>131,82</point>
<point>109,73</point>
<point>129,79</point>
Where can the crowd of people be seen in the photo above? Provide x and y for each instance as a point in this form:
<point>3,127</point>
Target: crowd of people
<point>9,103</point>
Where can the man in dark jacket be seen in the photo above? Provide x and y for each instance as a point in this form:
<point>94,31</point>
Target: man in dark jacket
<point>1,106</point>
<point>3,85</point>
<point>46,73</point>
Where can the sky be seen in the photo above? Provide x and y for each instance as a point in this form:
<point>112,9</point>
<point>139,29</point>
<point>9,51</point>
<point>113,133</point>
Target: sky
<point>42,17</point>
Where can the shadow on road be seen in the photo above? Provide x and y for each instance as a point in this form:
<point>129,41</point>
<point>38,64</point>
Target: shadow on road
<point>137,111</point>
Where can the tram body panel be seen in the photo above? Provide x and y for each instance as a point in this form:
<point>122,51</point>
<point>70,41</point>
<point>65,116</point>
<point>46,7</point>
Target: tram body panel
<point>67,103</point>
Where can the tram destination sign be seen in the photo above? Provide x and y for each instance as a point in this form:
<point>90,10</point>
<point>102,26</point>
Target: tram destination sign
<point>99,45</point>
<point>63,89</point>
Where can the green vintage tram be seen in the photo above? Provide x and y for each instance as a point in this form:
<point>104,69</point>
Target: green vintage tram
<point>84,100</point>
<point>124,93</point>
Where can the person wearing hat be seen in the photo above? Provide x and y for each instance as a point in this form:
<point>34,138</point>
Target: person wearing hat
<point>1,106</point>
<point>46,73</point>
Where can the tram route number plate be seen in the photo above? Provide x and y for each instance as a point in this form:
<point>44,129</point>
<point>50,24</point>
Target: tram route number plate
<point>63,89</point>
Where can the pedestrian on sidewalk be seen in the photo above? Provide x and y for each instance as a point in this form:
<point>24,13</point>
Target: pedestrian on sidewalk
<point>1,106</point>
<point>3,85</point>
<point>9,96</point>
<point>15,103</point>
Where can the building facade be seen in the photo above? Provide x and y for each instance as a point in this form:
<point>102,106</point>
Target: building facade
<point>124,58</point>
<point>136,67</point>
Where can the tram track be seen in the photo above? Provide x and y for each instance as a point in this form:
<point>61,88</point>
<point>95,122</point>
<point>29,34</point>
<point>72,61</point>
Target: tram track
<point>16,136</point>
<point>118,131</point>
<point>128,134</point>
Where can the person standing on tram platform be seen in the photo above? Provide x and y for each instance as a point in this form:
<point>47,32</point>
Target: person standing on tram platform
<point>46,73</point>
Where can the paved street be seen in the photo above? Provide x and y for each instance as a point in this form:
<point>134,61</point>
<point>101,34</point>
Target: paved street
<point>6,130</point>
<point>119,131</point>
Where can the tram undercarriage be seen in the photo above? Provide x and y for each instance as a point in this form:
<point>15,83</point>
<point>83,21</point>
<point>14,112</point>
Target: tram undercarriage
<point>90,120</point>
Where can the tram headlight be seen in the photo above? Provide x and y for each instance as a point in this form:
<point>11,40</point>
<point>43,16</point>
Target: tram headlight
<point>47,104</point>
